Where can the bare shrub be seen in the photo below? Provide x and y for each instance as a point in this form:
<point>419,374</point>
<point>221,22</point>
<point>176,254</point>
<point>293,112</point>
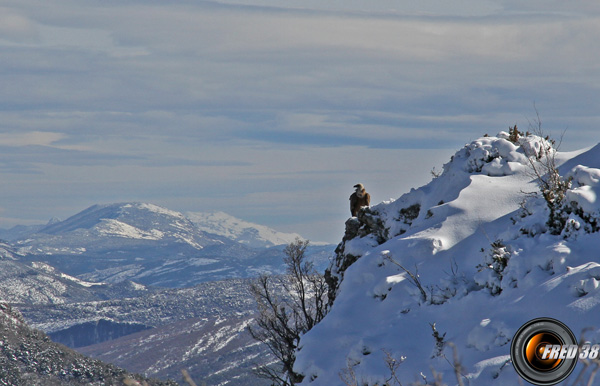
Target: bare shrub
<point>413,277</point>
<point>288,307</point>
<point>551,184</point>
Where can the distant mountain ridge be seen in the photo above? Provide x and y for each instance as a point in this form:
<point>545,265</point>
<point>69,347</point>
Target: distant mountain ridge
<point>135,221</point>
<point>152,245</point>
<point>19,232</point>
<point>215,223</point>
<point>244,232</point>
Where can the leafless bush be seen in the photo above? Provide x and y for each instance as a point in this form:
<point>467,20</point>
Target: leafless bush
<point>437,377</point>
<point>348,375</point>
<point>413,277</point>
<point>551,184</point>
<point>288,307</point>
<point>392,364</point>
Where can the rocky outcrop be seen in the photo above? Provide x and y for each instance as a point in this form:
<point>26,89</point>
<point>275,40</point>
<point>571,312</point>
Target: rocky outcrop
<point>368,224</point>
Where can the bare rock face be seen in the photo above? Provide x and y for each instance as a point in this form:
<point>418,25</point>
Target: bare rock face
<point>369,225</point>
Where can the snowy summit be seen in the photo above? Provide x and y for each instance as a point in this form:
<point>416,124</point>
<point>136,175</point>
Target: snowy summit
<point>461,263</point>
<point>244,232</point>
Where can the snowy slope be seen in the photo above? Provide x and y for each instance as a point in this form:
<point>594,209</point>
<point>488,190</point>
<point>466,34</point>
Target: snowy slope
<point>445,233</point>
<point>38,283</point>
<point>250,234</point>
<point>20,283</point>
<point>7,252</point>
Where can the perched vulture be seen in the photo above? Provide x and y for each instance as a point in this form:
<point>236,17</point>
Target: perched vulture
<point>359,199</point>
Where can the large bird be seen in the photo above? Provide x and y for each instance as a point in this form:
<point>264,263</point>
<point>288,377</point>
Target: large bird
<point>358,199</point>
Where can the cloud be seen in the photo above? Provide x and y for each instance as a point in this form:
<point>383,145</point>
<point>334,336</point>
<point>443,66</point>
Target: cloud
<point>264,100</point>
<point>30,138</point>
<point>231,61</point>
<point>16,28</point>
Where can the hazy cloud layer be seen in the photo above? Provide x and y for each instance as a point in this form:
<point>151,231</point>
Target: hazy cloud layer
<point>255,107</point>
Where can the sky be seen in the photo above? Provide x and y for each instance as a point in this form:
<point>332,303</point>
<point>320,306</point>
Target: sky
<point>272,110</point>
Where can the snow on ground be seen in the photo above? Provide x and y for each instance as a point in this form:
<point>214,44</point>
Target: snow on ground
<point>50,269</point>
<point>111,227</point>
<point>446,233</point>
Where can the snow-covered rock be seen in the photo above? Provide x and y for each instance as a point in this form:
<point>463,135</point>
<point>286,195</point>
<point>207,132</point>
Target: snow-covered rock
<point>585,189</point>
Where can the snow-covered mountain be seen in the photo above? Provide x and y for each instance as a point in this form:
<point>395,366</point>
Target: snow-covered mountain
<point>101,227</point>
<point>247,233</point>
<point>39,284</point>
<point>156,246</point>
<point>466,259</point>
<point>136,241</point>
